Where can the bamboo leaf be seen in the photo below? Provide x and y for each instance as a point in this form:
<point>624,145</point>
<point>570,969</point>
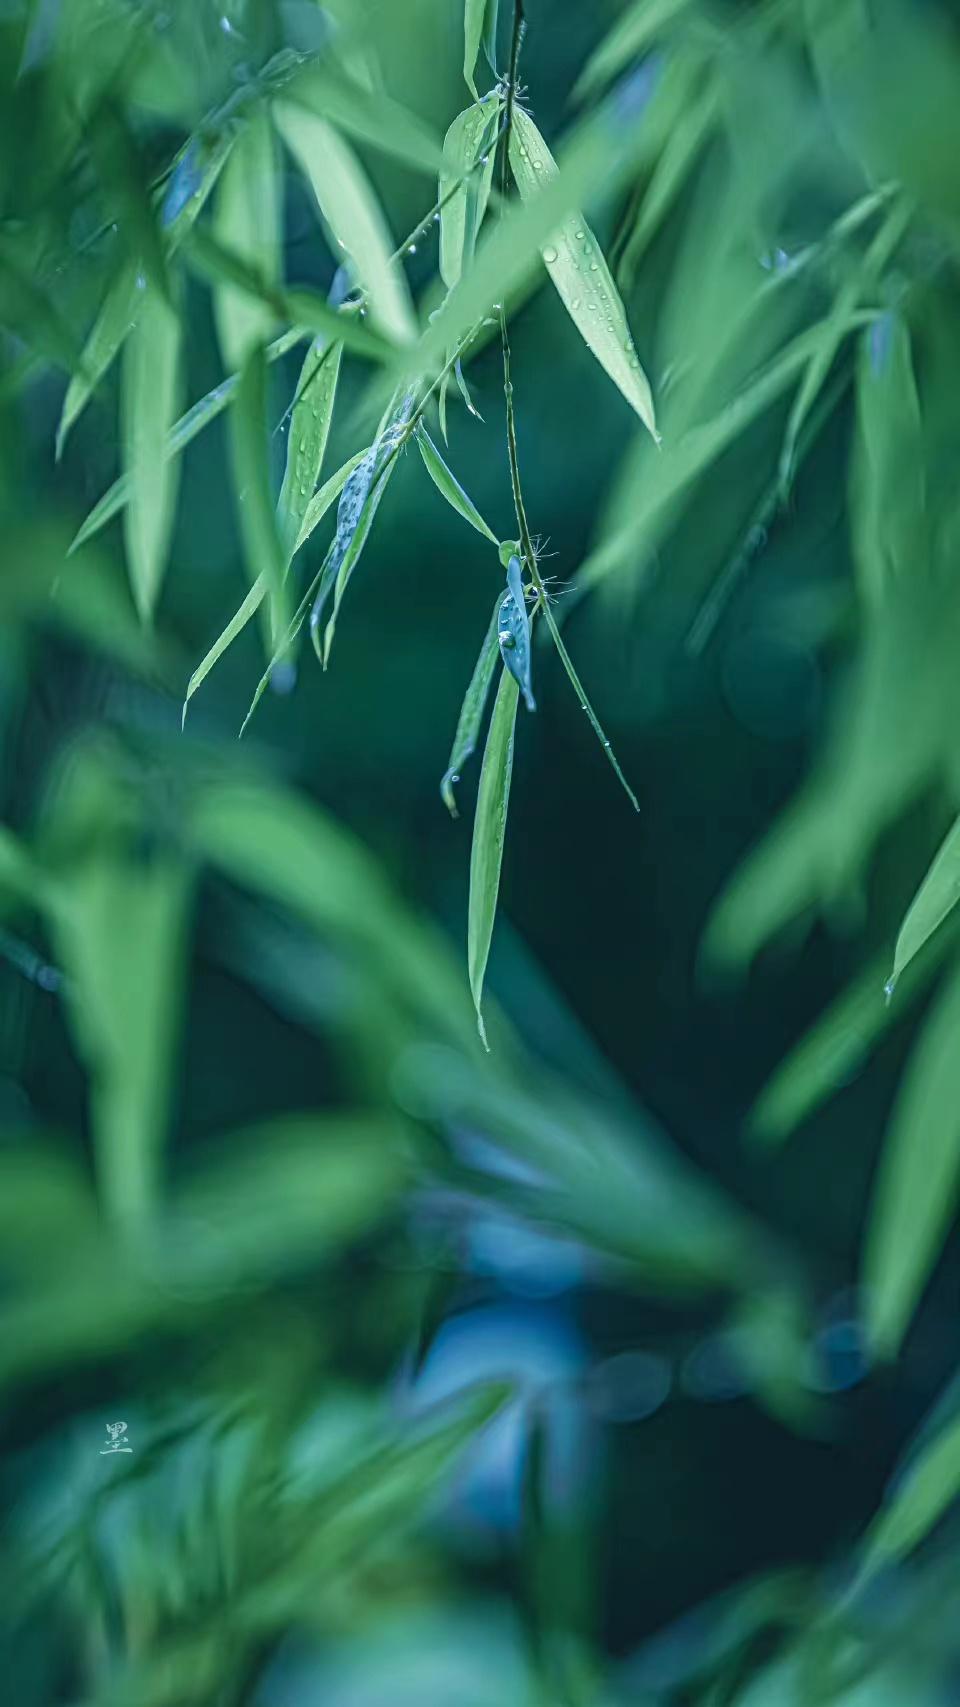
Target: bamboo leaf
<point>251,471</point>
<point>307,439</point>
<point>371,118</point>
<point>471,712</point>
<point>110,328</point>
<point>838,1045</point>
<point>464,184</point>
<point>633,32</point>
<point>580,274</point>
<point>888,476</point>
<point>474,21</point>
<point>317,509</point>
<point>150,399</point>
<point>352,215</point>
<point>181,434</point>
<point>449,486</point>
<point>489,830</point>
<point>585,704</point>
<point>513,633</point>
<point>247,220</point>
<point>916,1190</point>
<point>920,1494</point>
<point>935,899</point>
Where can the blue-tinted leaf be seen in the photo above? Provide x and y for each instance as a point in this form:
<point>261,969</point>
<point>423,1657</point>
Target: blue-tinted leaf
<point>471,712</point>
<point>513,632</point>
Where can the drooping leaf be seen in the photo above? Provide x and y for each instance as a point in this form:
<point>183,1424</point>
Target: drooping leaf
<point>579,272</point>
<point>372,118</point>
<point>464,184</point>
<point>916,1191</point>
<point>318,507</point>
<point>888,522</point>
<point>471,712</point>
<point>489,831</point>
<point>120,929</point>
<point>150,401</point>
<point>479,31</point>
<point>247,220</point>
<point>449,486</point>
<point>513,632</point>
<point>352,215</point>
<point>110,328</point>
<point>586,706</point>
<point>839,1043</point>
<point>181,434</point>
<point>251,472</point>
<point>921,1492</point>
<point>934,901</point>
<point>307,439</point>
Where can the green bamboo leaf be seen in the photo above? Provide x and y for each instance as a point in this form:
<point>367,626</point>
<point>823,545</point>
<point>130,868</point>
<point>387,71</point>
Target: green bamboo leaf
<point>352,215</point>
<point>633,32</point>
<point>838,1045</point>
<point>471,712</point>
<point>935,899</point>
<point>888,522</point>
<point>149,403</point>
<point>373,118</point>
<point>110,328</point>
<point>921,1492</point>
<point>464,184</point>
<point>479,30</point>
<point>181,434</point>
<point>251,472</point>
<point>513,633</point>
<point>916,1189</point>
<point>190,185</point>
<point>307,439</point>
<point>120,934</point>
<point>247,220</point>
<point>580,274</point>
<point>585,704</point>
<point>297,305</point>
<point>449,486</point>
<point>317,509</point>
<point>489,830</point>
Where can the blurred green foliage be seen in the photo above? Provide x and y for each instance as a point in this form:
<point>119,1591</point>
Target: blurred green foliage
<point>344,1358</point>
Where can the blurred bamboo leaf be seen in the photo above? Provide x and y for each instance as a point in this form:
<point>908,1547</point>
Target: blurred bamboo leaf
<point>251,470</point>
<point>352,215</point>
<point>371,118</point>
<point>888,477</point>
<point>110,328</point>
<point>489,830</point>
<point>637,27</point>
<point>922,1490</point>
<point>247,220</point>
<point>449,486</point>
<point>578,270</point>
<point>150,401</point>
<point>181,434</point>
<point>915,1193</point>
<point>471,712</point>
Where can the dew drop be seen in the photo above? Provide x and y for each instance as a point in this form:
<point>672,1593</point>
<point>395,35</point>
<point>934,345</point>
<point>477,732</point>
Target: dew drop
<point>411,248</point>
<point>580,236</point>
<point>550,256</point>
<point>593,266</point>
<point>889,987</point>
<point>575,304</point>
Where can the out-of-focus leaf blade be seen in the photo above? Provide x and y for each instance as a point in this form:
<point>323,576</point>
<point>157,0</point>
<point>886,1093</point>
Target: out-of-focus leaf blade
<point>449,486</point>
<point>471,712</point>
<point>634,31</point>
<point>251,469</point>
<point>110,328</point>
<point>934,901</point>
<point>489,830</point>
<point>920,1494</point>
<point>150,401</point>
<point>916,1190</point>
<point>353,216</point>
<point>371,118</point>
<point>247,220</point>
<point>580,274</point>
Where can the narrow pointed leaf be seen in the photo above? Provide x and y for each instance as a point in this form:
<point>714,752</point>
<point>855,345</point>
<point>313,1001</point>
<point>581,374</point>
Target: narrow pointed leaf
<point>580,274</point>
<point>935,899</point>
<point>633,32</point>
<point>307,438</point>
<point>513,633</point>
<point>474,18</point>
<point>489,830</point>
<point>916,1191</point>
<point>251,472</point>
<point>449,486</point>
<point>464,184</point>
<point>247,221</point>
<point>352,215</point>
<point>110,328</point>
<point>181,434</point>
<point>586,706</point>
<point>372,118</point>
<point>888,475</point>
<point>922,1491</point>
<point>318,508</point>
<point>150,400</point>
<point>471,712</point>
